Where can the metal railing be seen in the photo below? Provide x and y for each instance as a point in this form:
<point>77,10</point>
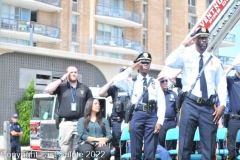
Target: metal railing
<point>168,3</point>
<point>226,60</point>
<point>118,12</point>
<point>56,3</point>
<point>192,9</point>
<point>117,42</point>
<point>74,7</point>
<point>23,26</point>
<point>230,38</point>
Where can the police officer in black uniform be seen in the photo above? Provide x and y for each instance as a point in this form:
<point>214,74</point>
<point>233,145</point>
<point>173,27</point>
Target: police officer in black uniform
<point>170,120</point>
<point>233,85</point>
<point>16,131</point>
<point>120,99</point>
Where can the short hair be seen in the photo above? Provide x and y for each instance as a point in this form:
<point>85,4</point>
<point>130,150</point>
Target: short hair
<point>69,67</point>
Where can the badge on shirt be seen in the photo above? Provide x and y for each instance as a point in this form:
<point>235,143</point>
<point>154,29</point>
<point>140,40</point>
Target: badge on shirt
<point>73,107</point>
<point>171,98</point>
<point>82,91</point>
<point>153,84</point>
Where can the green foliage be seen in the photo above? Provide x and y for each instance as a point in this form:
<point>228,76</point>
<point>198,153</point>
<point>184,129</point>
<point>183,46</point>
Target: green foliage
<point>24,109</point>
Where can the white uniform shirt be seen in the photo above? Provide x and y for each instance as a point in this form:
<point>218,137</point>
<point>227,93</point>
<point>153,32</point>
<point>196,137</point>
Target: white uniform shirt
<point>187,59</point>
<point>154,91</point>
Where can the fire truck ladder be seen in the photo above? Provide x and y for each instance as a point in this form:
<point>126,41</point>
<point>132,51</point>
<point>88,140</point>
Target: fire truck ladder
<point>224,25</point>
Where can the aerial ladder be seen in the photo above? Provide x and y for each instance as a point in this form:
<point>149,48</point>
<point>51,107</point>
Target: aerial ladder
<point>220,17</point>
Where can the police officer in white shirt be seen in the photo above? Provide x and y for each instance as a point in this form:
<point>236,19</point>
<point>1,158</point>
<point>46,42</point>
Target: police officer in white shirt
<point>149,114</point>
<point>197,108</point>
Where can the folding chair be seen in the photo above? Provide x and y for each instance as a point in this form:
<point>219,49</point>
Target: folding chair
<point>221,135</point>
<point>125,136</point>
<point>238,141</point>
<point>172,134</point>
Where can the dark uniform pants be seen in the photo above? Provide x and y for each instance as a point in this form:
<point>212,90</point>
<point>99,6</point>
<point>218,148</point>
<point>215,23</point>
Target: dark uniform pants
<point>162,135</point>
<point>233,127</point>
<point>16,148</point>
<point>142,127</point>
<point>192,116</point>
<point>116,133</point>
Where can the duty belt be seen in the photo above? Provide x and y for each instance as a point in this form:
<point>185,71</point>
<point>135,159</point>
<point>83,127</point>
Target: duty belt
<point>198,100</point>
<point>146,108</point>
<point>170,119</point>
<point>234,116</point>
<point>68,119</point>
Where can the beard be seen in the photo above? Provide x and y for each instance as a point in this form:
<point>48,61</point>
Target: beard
<point>201,46</point>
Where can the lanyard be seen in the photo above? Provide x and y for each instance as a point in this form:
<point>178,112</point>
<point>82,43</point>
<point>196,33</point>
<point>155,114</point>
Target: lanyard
<point>73,94</point>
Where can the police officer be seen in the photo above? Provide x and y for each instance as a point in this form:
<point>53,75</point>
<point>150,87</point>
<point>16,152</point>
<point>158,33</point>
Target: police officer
<point>16,132</point>
<point>233,84</point>
<point>120,100</point>
<point>72,96</point>
<point>149,109</point>
<point>197,108</point>
<point>170,120</point>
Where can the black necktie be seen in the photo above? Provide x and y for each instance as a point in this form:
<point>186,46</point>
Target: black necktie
<point>203,83</point>
<point>145,97</point>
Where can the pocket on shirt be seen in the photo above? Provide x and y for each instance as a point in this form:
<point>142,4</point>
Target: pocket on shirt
<point>192,69</point>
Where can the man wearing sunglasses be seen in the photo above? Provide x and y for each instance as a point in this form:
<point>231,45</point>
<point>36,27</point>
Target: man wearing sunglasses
<point>197,108</point>
<point>170,120</point>
<point>149,108</point>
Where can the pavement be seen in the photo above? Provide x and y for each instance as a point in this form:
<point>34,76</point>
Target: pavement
<point>23,156</point>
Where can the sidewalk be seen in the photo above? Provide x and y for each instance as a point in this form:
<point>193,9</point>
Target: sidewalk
<point>22,148</point>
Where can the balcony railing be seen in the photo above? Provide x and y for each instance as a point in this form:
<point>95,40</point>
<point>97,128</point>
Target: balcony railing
<point>226,60</point>
<point>117,12</point>
<point>74,7</point>
<point>230,38</point>
<point>56,3</point>
<point>192,9</point>
<point>23,26</point>
<point>168,3</point>
<point>117,42</point>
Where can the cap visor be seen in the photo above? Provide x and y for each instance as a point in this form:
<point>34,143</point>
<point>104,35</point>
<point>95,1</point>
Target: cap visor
<point>145,60</point>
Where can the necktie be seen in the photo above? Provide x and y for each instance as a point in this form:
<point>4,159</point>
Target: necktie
<point>145,97</point>
<point>203,83</point>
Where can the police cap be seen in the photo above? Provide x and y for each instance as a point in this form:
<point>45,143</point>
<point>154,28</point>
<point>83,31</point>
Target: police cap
<point>201,32</point>
<point>15,115</point>
<point>122,69</point>
<point>143,57</point>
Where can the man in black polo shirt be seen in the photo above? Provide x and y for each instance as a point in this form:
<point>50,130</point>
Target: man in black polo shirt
<point>72,97</point>
<point>233,85</point>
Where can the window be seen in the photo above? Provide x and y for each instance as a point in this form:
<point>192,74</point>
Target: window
<point>4,39</point>
<point>12,12</point>
<point>192,3</point>
<point>75,1</point>
<point>208,3</point>
<point>111,55</point>
<point>191,22</point>
<point>144,16</point>
<point>74,48</point>
<point>167,45</point>
<point>74,28</point>
<point>167,20</point>
<point>144,39</point>
<point>107,33</point>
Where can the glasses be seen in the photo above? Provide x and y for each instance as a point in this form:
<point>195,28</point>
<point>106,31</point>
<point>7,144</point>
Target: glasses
<point>162,81</point>
<point>15,117</point>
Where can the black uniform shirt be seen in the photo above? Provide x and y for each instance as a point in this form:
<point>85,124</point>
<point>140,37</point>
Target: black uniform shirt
<point>233,86</point>
<point>83,93</point>
<point>112,91</point>
<point>170,98</point>
<point>17,128</point>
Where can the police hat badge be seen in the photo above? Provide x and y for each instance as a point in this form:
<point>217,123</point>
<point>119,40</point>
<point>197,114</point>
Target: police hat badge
<point>204,29</point>
<point>145,55</point>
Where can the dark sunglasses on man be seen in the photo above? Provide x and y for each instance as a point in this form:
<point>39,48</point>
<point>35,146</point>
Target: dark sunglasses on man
<point>165,80</point>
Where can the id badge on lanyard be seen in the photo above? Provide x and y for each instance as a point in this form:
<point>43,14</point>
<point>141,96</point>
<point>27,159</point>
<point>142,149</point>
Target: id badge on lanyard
<point>73,104</point>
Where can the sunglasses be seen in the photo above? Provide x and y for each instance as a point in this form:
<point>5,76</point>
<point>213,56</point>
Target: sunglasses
<point>162,81</point>
<point>145,63</point>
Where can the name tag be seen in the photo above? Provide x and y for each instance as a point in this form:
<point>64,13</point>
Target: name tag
<point>73,107</point>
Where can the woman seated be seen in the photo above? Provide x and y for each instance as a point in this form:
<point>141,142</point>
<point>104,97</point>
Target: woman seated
<point>94,131</point>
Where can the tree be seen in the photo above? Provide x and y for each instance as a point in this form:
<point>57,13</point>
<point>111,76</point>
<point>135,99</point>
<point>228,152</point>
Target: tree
<point>24,109</point>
